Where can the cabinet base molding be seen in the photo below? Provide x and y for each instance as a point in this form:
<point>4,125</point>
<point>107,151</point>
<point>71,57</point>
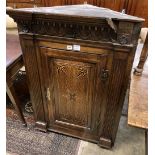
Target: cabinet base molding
<point>42,126</point>
<point>105,143</point>
<point>102,142</point>
<point>74,133</point>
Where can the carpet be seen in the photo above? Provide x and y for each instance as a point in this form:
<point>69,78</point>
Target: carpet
<point>28,141</point>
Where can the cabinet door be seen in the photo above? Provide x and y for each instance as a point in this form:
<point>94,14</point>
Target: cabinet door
<point>74,84</point>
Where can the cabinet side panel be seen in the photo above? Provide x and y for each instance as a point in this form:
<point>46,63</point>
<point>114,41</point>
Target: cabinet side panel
<point>126,82</point>
<point>116,87</point>
<point>29,55</point>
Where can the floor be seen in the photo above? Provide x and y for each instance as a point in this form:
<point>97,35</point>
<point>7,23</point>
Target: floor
<point>129,140</point>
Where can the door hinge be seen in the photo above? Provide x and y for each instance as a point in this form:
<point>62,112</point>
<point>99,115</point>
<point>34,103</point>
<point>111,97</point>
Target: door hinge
<point>48,95</point>
<point>104,74</point>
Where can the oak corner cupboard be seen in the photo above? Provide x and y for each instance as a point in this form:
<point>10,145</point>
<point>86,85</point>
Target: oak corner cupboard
<point>78,61</point>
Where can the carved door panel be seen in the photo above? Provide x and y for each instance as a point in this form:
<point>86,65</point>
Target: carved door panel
<point>73,82</point>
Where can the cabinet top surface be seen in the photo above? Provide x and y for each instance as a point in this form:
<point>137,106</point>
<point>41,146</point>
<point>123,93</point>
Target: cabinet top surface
<point>85,11</point>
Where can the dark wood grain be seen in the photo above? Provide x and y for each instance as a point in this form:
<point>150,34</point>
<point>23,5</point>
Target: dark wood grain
<point>78,92</point>
<point>28,49</point>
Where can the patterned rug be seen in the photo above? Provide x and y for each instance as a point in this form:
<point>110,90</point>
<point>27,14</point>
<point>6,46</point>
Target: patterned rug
<point>28,141</point>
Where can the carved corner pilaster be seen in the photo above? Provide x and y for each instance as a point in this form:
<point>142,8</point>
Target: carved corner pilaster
<point>42,126</point>
<point>105,143</point>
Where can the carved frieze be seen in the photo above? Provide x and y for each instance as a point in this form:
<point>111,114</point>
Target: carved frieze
<point>85,31</point>
<point>101,32</point>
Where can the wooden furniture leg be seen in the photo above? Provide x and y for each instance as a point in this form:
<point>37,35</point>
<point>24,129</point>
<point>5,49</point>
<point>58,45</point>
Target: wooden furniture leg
<point>139,69</point>
<point>15,101</point>
<point>14,62</point>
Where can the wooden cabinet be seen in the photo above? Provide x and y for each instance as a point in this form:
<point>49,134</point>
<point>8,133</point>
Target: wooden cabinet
<point>74,82</point>
<point>78,61</point>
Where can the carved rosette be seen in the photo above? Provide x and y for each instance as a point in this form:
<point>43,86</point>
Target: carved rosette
<point>24,26</point>
<point>124,38</point>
